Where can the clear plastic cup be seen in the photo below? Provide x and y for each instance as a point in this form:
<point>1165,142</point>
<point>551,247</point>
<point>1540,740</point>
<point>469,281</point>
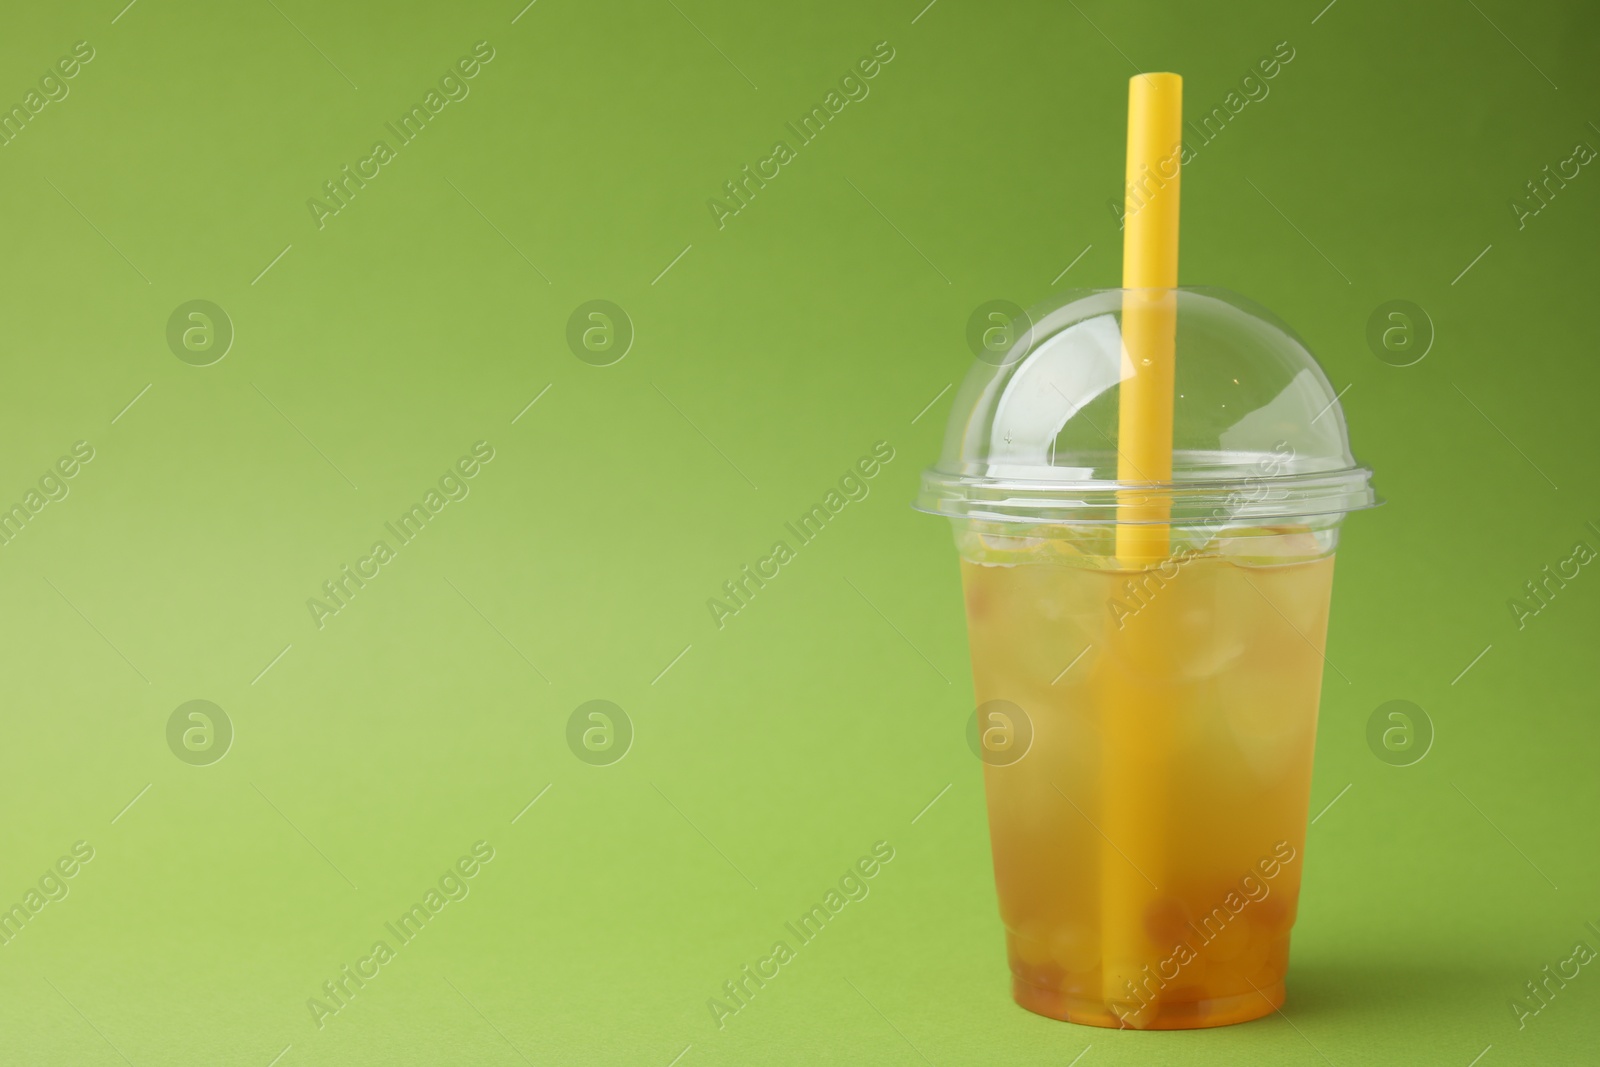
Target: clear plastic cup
<point>1147,725</point>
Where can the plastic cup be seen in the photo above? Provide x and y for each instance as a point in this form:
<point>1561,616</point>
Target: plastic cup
<point>1147,727</point>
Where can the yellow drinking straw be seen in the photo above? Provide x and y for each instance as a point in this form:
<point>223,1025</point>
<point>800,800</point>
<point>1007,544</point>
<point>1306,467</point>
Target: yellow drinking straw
<point>1135,728</point>
<point>1149,314</point>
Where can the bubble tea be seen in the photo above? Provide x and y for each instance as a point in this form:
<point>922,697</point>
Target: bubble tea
<point>1147,725</point>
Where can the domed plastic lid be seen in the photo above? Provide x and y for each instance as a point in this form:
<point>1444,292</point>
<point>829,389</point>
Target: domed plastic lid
<point>1258,435</point>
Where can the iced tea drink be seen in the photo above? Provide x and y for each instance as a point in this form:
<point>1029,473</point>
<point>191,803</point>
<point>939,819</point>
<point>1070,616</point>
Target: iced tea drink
<point>1162,900</point>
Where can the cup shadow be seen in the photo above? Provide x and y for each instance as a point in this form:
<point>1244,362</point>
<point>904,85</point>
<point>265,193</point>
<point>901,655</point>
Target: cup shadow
<point>1352,991</point>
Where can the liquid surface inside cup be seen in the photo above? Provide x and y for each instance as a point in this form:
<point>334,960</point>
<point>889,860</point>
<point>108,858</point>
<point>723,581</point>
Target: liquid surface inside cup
<point>1147,734</point>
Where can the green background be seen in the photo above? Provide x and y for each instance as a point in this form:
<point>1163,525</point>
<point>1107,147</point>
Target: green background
<point>775,751</point>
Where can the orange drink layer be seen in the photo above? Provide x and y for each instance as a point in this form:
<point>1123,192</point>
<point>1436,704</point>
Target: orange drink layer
<point>1224,639</point>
